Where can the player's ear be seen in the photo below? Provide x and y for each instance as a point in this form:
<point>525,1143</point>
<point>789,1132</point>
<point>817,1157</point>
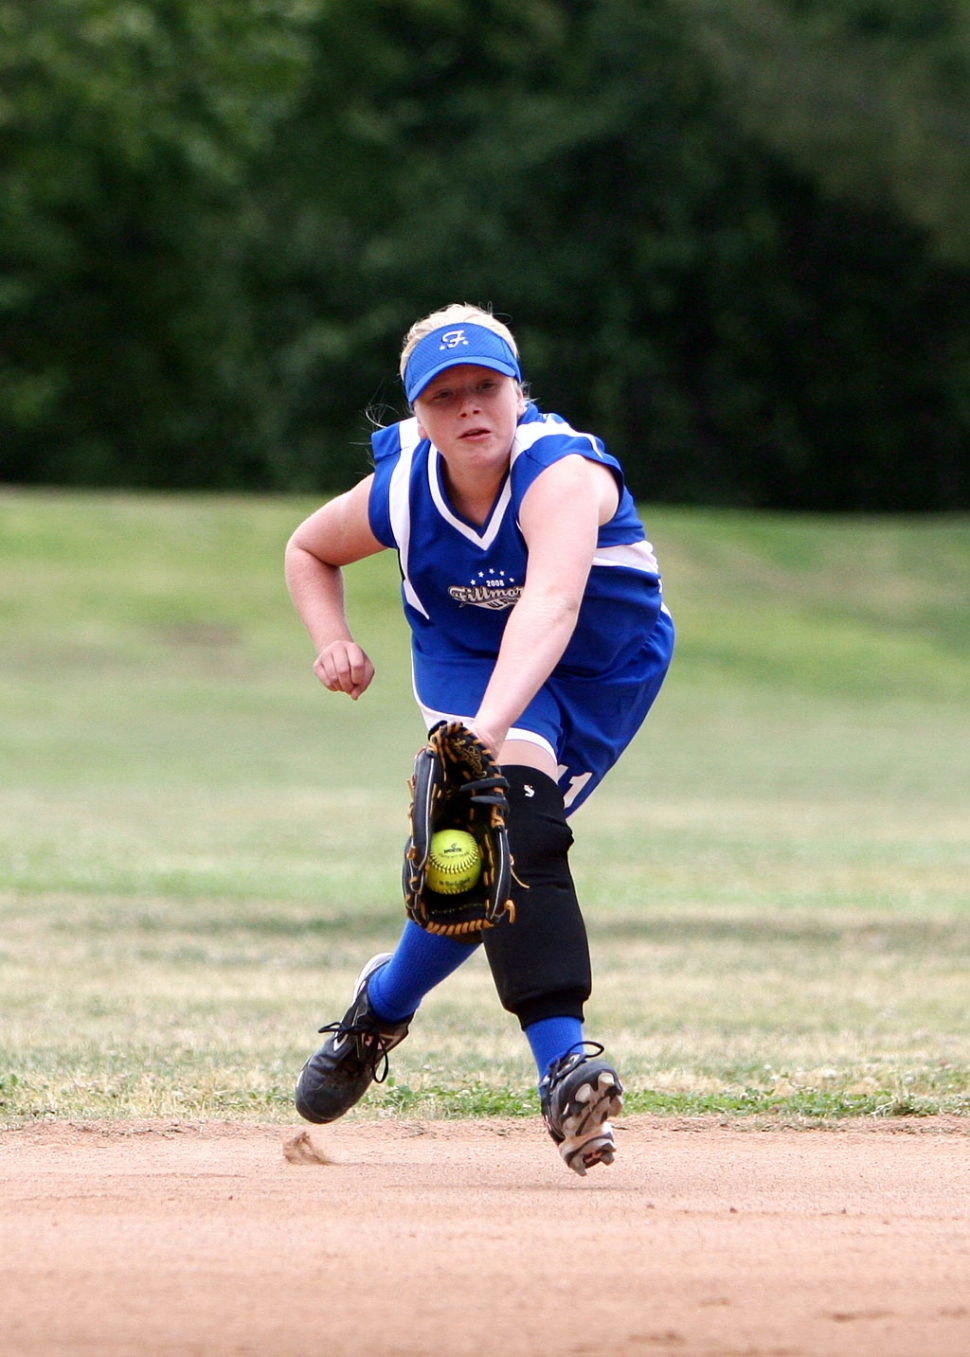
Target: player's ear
<point>522,402</point>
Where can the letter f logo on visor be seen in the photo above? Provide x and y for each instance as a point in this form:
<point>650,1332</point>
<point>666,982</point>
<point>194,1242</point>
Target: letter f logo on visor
<point>447,347</point>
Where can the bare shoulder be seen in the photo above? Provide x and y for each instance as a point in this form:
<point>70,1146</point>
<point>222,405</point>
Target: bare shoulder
<point>576,484</point>
<point>339,532</point>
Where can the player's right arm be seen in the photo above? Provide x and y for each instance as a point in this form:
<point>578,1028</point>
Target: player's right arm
<point>336,535</point>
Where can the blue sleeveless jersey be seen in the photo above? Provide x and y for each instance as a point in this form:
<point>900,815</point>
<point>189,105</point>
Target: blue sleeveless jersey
<point>459,580</point>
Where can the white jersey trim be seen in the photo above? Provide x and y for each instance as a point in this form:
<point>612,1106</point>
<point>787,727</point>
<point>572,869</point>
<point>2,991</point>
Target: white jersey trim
<point>399,507</point>
<point>527,434</point>
<point>483,540</point>
<point>632,555</point>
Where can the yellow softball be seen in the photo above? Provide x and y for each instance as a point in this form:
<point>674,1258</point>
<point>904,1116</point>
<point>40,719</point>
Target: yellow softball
<point>455,862</point>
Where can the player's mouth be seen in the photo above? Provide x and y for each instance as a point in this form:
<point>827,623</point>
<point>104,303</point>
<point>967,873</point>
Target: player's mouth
<point>474,434</point>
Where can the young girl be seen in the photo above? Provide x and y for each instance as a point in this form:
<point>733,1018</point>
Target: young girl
<point>535,607</point>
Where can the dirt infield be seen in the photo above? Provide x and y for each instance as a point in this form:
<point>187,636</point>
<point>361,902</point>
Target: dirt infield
<point>420,1239</point>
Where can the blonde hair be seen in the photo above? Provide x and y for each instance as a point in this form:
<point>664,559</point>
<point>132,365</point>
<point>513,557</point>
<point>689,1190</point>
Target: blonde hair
<point>458,313</point>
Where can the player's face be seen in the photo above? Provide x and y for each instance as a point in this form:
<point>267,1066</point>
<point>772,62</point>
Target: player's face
<point>470,413</point>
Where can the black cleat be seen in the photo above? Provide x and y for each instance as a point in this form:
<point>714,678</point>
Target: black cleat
<point>578,1094</point>
<point>338,1075</point>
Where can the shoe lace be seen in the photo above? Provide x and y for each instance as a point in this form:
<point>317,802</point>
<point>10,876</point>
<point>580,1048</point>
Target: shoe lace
<point>576,1055</point>
<point>371,1044</point>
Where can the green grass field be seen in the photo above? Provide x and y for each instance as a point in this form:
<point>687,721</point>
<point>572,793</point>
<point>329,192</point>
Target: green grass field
<point>198,845</point>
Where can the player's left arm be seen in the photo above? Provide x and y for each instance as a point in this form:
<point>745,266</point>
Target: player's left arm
<point>560,518</point>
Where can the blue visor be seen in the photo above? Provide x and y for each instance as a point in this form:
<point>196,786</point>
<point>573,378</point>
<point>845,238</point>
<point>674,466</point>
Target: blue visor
<point>453,344</point>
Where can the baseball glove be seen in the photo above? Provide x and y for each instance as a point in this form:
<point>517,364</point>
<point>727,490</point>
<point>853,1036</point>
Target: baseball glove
<point>457,785</point>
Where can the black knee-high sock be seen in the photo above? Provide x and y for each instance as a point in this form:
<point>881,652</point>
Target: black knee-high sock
<point>540,963</point>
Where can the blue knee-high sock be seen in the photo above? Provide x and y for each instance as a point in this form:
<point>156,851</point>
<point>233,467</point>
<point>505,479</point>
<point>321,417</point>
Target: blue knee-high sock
<point>421,960</point>
<point>551,1038</point>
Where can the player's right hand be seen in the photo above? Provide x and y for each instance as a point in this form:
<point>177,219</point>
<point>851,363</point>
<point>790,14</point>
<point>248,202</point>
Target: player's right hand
<point>344,668</point>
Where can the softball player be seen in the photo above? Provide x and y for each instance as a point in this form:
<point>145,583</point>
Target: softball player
<point>537,618</point>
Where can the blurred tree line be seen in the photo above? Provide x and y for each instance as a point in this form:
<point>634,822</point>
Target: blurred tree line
<point>732,236</point>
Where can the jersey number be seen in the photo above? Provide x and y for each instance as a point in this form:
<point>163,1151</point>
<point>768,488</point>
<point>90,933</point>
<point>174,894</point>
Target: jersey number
<point>576,784</point>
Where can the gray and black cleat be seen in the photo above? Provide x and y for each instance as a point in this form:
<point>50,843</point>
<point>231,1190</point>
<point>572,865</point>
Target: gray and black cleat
<point>579,1093</point>
<point>338,1075</point>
